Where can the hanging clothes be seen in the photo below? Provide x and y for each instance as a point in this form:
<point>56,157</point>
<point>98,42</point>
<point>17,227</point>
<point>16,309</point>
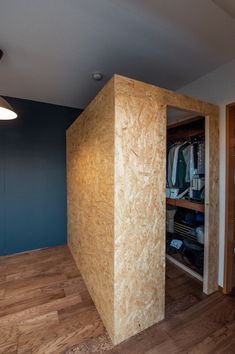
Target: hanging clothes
<point>175,165</point>
<point>189,159</point>
<point>195,154</point>
<point>181,170</point>
<point>169,166</point>
<point>185,160</point>
<point>201,158</point>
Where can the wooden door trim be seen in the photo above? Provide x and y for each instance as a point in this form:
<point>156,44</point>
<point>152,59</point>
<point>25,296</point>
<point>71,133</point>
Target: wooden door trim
<point>228,256</point>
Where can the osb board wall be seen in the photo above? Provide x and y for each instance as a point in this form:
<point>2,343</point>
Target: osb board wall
<point>139,248</point>
<point>139,90</point>
<point>90,187</point>
<point>116,157</point>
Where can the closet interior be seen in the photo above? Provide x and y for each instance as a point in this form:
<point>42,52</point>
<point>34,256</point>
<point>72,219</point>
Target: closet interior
<point>185,191</point>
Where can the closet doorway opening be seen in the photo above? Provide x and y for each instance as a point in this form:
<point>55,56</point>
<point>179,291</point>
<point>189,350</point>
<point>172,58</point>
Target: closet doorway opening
<point>185,208</point>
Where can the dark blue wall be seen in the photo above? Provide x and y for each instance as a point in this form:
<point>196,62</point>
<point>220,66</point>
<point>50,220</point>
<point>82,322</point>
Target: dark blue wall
<point>33,176</point>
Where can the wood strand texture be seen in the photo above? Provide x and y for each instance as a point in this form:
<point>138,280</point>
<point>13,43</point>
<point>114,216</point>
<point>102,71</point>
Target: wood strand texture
<point>90,181</point>
<point>116,158</point>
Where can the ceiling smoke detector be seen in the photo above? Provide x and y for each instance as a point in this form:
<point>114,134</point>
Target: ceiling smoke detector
<point>97,76</point>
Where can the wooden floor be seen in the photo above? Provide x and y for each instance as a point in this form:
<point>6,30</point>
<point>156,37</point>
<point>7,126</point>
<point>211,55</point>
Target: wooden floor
<point>45,308</point>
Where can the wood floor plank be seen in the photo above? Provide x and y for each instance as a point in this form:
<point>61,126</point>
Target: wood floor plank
<point>166,347</point>
<point>76,285</point>
<point>32,294</point>
<point>7,308</point>
<point>195,330</point>
<point>63,335</point>
<point>38,322</point>
<point>9,349</point>
<point>2,294</point>
<point>8,338</point>
<point>172,272</point>
<point>45,268</point>
<point>35,261</point>
<point>220,341</point>
<point>191,313</point>
<point>179,280</point>
<point>65,341</point>
<point>177,291</point>
<point>2,279</point>
<point>53,305</point>
<point>100,344</point>
<point>142,342</point>
<point>13,288</point>
<point>174,307</point>
<point>45,308</point>
<point>35,256</point>
<point>38,266</point>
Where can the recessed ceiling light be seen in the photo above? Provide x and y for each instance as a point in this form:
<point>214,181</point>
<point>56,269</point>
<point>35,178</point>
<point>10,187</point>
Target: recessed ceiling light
<point>97,76</point>
<point>227,5</point>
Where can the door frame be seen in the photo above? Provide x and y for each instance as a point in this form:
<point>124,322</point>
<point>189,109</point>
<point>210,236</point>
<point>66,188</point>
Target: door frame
<point>228,237</point>
<point>211,205</point>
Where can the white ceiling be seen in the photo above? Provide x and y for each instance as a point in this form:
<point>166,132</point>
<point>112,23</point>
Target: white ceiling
<point>52,46</point>
<point>226,5</point>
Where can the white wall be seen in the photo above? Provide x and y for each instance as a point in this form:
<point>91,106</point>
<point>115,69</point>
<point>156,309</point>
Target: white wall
<point>217,87</point>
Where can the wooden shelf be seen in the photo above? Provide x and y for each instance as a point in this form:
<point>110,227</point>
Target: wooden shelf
<point>186,129</point>
<point>184,203</point>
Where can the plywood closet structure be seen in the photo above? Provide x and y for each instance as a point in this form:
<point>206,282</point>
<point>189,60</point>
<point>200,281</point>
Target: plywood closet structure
<point>116,174</point>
